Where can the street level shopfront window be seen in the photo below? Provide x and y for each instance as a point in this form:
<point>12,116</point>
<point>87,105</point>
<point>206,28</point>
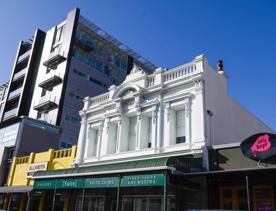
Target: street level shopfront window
<point>147,203</point>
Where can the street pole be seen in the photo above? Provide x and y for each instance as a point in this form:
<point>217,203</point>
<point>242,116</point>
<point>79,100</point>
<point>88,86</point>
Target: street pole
<point>118,194</point>
<point>248,191</point>
<point>54,198</point>
<point>165,191</point>
<point>82,199</point>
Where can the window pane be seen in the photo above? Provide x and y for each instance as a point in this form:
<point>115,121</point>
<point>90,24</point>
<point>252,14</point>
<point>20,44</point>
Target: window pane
<point>227,194</point>
<point>132,133</point>
<point>150,132</point>
<point>155,204</point>
<point>180,123</point>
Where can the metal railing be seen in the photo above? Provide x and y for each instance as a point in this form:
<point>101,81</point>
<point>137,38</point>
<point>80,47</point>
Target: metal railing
<point>24,56</point>
<point>20,74</point>
<point>15,93</point>
<point>10,113</point>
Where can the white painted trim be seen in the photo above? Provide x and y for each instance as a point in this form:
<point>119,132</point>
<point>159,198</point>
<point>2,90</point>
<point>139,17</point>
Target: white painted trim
<point>222,146</point>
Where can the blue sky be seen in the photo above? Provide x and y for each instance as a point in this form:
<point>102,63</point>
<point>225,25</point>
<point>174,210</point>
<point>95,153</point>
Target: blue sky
<point>170,33</point>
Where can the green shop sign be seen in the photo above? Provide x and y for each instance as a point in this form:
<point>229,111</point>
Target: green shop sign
<point>104,182</point>
<point>45,184</point>
<point>143,180</point>
<point>70,183</point>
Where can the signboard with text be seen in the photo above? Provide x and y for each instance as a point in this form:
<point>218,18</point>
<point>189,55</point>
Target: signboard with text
<point>102,182</point>
<point>142,180</point>
<point>32,168</point>
<point>259,146</point>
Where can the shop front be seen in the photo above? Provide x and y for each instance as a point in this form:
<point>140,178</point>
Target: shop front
<point>161,189</point>
<point>242,176</point>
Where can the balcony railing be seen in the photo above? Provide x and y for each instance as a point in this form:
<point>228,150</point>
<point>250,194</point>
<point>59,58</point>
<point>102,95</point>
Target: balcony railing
<point>179,72</point>
<point>46,103</point>
<point>24,56</point>
<point>55,58</point>
<point>19,74</point>
<point>10,113</point>
<point>101,98</point>
<point>15,93</point>
<point>84,44</point>
<point>50,80</point>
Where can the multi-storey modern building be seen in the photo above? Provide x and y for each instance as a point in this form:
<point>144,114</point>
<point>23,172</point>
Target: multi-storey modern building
<point>3,95</point>
<point>138,140</point>
<point>52,73</point>
<point>54,70</point>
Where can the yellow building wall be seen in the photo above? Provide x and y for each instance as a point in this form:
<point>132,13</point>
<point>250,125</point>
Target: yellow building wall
<point>60,159</point>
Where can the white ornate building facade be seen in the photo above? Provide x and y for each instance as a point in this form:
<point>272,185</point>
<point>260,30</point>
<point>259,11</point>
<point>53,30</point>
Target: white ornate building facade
<point>178,111</point>
<point>144,144</point>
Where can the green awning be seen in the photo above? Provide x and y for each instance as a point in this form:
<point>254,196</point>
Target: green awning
<point>184,163</point>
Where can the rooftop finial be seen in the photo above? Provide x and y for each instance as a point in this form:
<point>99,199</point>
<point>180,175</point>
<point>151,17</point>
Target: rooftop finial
<point>220,65</point>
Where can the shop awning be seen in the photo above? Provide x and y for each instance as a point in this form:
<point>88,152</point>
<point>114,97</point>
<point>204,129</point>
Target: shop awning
<point>16,189</point>
<point>184,163</point>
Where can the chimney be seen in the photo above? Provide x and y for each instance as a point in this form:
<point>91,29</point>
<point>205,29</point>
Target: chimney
<point>220,68</point>
<point>220,65</point>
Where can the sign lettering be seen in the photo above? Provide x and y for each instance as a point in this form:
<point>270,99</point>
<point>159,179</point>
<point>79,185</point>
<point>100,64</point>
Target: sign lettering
<point>259,146</point>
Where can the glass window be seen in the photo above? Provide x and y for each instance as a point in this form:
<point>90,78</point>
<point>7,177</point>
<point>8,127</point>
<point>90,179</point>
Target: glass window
<point>180,126</point>
<point>155,204</point>
<point>67,118</point>
<point>95,81</point>
<point>99,64</point>
<point>58,35</point>
<point>132,133</point>
<point>100,50</point>
<point>150,132</point>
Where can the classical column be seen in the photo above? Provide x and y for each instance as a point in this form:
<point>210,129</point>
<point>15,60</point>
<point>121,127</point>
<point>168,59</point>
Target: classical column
<point>119,136</point>
<point>104,142</point>
<point>81,140</point>
<point>89,142</point>
<point>138,129</point>
<point>83,131</point>
<point>167,132</point>
<point>188,121</point>
<point>154,128</point>
<point>160,125</point>
<point>100,133</point>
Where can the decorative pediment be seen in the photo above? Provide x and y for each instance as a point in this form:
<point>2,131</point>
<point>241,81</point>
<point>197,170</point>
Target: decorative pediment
<point>127,90</point>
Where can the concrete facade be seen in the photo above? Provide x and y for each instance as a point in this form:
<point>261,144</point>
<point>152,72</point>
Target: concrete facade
<point>178,111</point>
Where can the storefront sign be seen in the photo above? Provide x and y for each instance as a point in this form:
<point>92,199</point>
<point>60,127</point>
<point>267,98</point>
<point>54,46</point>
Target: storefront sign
<point>44,184</point>
<point>259,146</point>
<point>106,182</point>
<point>70,183</point>
<point>32,168</point>
<point>143,180</point>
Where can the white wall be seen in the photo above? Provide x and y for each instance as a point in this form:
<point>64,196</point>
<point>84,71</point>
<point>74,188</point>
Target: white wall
<point>230,123</point>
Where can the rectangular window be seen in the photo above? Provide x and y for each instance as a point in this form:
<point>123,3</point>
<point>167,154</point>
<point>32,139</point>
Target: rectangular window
<point>132,133</point>
<point>67,118</point>
<point>99,64</point>
<point>95,81</point>
<point>59,33</point>
<point>150,132</point>
<point>180,127</point>
<point>64,145</point>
